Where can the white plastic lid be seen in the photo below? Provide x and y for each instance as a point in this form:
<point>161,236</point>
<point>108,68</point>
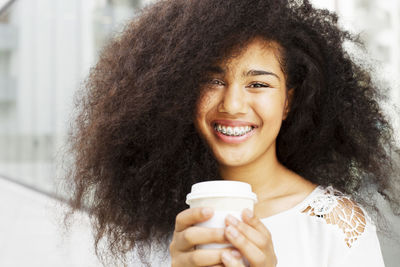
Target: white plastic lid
<point>221,188</point>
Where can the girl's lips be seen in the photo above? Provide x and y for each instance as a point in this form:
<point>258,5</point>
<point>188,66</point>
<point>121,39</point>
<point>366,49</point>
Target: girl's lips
<point>234,139</point>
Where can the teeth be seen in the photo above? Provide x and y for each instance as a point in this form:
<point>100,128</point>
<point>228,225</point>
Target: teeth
<point>233,131</point>
<point>229,130</point>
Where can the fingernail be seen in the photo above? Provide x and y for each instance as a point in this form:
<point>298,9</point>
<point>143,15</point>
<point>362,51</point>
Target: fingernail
<point>248,213</point>
<point>236,253</point>
<point>232,220</point>
<point>207,211</point>
<point>232,231</point>
<point>226,256</point>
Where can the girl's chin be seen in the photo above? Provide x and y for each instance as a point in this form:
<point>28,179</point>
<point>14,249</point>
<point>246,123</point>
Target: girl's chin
<point>232,162</point>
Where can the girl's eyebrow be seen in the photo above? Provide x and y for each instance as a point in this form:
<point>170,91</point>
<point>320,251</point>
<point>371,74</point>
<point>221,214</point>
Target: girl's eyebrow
<point>259,72</point>
<point>219,70</point>
<point>215,69</point>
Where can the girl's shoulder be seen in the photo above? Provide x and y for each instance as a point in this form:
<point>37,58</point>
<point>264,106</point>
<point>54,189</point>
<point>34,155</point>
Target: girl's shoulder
<point>332,207</point>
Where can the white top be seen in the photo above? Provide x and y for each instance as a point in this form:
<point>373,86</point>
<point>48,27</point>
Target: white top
<point>327,229</point>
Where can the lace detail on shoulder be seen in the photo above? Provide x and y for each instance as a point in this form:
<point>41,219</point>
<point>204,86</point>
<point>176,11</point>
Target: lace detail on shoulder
<point>338,209</point>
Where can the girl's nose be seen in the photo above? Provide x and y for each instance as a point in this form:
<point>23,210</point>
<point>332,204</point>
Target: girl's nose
<point>233,101</point>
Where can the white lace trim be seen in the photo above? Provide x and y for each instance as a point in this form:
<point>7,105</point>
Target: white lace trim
<point>338,209</point>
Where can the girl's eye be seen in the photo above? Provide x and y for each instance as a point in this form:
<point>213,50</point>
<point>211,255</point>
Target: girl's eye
<point>216,81</point>
<point>258,85</point>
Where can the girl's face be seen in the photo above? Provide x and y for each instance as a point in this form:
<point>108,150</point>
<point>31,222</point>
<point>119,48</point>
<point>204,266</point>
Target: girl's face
<point>242,106</point>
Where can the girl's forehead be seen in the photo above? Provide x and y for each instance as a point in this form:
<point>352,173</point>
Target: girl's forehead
<point>254,51</point>
<point>256,55</point>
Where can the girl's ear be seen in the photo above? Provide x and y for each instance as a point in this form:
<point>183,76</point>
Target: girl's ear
<point>288,102</point>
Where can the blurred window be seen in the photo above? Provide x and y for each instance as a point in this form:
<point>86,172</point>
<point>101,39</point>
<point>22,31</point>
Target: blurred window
<point>46,50</point>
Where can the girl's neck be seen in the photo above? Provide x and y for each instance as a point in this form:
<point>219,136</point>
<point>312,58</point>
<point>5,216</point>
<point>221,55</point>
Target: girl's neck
<point>267,176</point>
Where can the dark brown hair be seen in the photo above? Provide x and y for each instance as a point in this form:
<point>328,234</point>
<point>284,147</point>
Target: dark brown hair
<point>137,153</point>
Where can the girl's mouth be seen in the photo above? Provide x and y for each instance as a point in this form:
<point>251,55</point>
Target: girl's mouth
<point>233,134</point>
<point>233,130</point>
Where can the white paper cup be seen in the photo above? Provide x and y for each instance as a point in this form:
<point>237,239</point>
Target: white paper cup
<point>224,197</point>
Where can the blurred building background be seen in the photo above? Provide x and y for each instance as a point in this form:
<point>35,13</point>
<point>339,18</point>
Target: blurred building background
<point>46,50</point>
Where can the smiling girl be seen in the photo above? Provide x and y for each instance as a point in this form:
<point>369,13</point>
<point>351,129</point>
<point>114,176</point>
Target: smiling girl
<point>261,92</point>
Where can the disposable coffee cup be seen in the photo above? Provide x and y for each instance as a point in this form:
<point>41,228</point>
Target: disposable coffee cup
<point>224,197</point>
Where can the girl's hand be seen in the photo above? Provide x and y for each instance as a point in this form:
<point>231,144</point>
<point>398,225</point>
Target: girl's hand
<point>186,237</point>
<point>252,239</point>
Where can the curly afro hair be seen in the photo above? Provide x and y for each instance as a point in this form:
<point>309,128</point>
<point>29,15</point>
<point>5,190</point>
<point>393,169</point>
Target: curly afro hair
<point>135,148</point>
